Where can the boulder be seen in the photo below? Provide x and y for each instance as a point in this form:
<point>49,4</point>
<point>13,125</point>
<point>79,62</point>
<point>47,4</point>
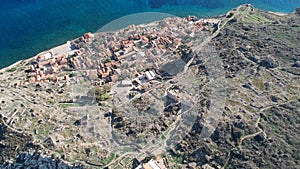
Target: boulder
<point>49,143</point>
<point>77,122</point>
<point>192,165</point>
<point>296,64</point>
<point>274,99</point>
<point>260,137</point>
<point>253,58</point>
<point>268,62</point>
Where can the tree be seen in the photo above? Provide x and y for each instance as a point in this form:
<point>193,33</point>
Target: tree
<point>101,93</point>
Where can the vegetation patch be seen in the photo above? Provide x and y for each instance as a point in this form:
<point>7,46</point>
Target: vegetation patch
<point>102,93</point>
<point>66,105</point>
<point>11,69</point>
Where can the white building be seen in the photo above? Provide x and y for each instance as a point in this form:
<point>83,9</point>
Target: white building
<point>150,165</point>
<point>48,56</point>
<point>173,95</point>
<point>150,75</point>
<point>126,83</point>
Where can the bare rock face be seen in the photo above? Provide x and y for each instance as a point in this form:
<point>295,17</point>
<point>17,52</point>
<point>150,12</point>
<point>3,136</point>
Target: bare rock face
<point>10,140</point>
<point>35,160</point>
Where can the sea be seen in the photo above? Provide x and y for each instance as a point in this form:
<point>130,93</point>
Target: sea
<point>28,27</point>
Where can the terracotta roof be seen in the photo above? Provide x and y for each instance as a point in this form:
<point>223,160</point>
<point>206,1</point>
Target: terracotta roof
<point>44,63</point>
<point>108,64</point>
<point>88,35</point>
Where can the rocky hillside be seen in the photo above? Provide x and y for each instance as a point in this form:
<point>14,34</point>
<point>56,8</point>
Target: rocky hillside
<point>260,54</point>
<point>18,150</point>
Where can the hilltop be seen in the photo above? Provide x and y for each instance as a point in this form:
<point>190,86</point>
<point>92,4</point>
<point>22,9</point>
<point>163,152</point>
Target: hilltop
<point>261,62</point>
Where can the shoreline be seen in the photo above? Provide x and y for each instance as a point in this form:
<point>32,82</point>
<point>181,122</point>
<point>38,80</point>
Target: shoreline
<point>2,70</point>
<point>12,65</point>
<point>278,13</point>
<point>19,52</point>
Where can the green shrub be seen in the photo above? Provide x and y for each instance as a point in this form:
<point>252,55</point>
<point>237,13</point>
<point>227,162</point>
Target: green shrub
<point>12,69</point>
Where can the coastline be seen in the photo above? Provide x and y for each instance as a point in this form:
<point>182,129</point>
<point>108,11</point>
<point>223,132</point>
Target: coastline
<point>25,36</point>
<point>12,65</point>
<point>278,13</point>
<point>2,70</point>
<point>154,22</point>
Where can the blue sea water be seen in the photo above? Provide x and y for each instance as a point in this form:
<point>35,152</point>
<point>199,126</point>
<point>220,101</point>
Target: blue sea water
<point>28,27</point>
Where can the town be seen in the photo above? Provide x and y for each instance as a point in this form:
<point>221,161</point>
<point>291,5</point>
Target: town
<point>136,49</point>
<point>131,70</point>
